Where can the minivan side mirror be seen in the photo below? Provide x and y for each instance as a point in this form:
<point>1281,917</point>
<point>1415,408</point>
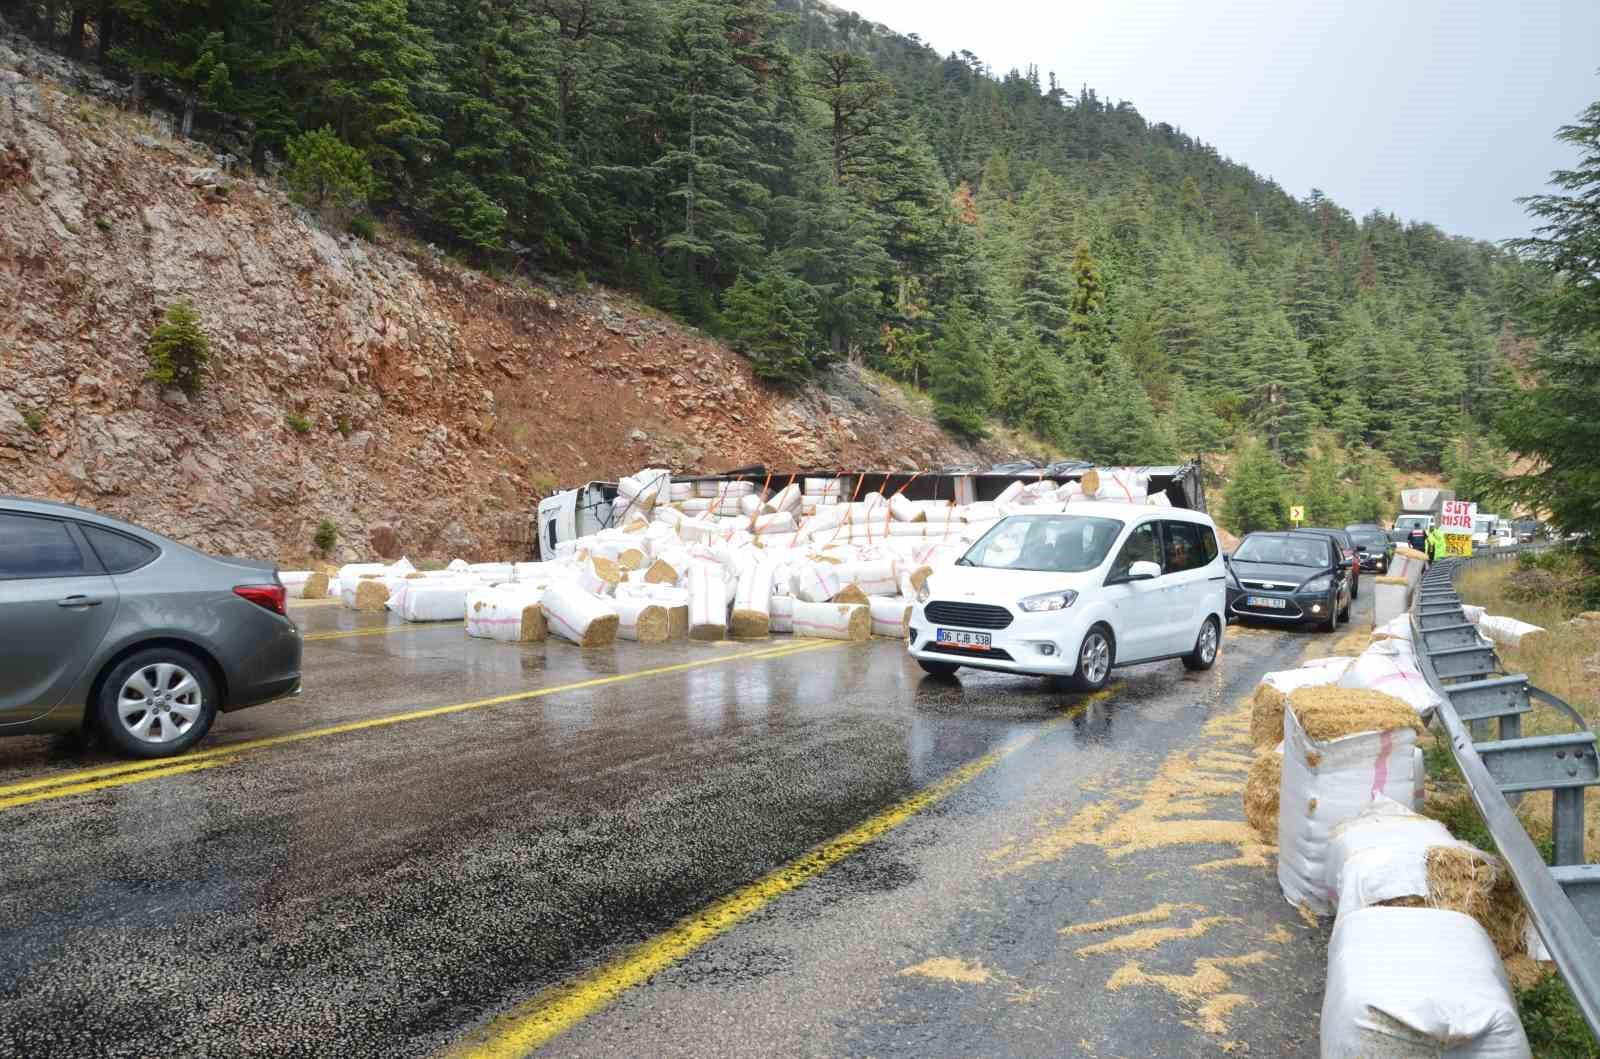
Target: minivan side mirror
<point>1144,571</point>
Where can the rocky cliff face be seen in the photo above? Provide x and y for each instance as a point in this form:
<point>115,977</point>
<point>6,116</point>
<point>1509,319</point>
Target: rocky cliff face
<point>439,401</point>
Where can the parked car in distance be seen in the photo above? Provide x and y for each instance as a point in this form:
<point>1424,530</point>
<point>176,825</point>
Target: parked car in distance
<point>1292,576</point>
<point>1074,595</point>
<point>114,629</point>
<point>1348,549</point>
<point>1373,547</point>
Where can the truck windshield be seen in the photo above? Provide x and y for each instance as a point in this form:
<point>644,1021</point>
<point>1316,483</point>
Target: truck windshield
<point>1063,544</point>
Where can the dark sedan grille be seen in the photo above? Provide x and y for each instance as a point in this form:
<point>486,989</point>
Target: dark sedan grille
<point>969,615</point>
<point>1268,586</point>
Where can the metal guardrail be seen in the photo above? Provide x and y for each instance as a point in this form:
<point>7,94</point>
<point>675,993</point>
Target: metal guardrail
<point>1563,900</point>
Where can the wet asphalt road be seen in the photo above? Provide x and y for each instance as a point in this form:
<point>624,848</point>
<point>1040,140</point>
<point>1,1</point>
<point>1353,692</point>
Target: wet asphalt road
<point>378,889</point>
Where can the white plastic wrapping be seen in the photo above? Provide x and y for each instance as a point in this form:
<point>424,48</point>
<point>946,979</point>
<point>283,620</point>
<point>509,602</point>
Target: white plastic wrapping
<point>1326,784</point>
<point>1399,675</point>
<point>294,582</point>
<point>708,609</point>
<point>642,621</point>
<point>1417,982</point>
<point>510,613</point>
<point>816,582</point>
<point>1382,854</point>
<point>832,621</point>
<point>780,614</point>
<point>890,617</point>
<point>1508,631</point>
<point>575,615</point>
<point>875,577</point>
<point>432,598</point>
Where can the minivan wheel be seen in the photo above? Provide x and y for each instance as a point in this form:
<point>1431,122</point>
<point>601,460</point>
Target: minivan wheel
<point>942,670</point>
<point>157,703</point>
<point>1204,655</point>
<point>1095,659</point>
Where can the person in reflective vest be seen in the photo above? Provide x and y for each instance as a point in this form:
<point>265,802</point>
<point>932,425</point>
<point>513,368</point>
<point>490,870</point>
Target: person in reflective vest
<point>1436,544</point>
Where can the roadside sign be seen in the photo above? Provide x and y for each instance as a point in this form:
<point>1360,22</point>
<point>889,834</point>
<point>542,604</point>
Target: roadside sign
<point>1456,520</point>
<point>1297,514</point>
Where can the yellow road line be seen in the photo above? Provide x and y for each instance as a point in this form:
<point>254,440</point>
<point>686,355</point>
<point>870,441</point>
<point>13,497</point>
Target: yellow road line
<point>382,630</point>
<point>171,769</point>
<point>66,783</point>
<point>533,1024</point>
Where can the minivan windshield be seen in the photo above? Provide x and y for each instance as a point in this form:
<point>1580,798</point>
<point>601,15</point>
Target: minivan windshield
<point>1283,551</point>
<point>1062,544</point>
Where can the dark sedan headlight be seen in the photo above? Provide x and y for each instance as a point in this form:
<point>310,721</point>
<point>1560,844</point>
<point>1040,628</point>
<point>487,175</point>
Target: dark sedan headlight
<point>1317,585</point>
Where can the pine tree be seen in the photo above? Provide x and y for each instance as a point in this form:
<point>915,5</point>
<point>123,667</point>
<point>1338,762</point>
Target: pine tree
<point>1279,383</point>
<point>1322,491</point>
<point>962,382</point>
<point>1254,498</point>
<point>1033,392</point>
<point>771,320</point>
<point>1118,424</point>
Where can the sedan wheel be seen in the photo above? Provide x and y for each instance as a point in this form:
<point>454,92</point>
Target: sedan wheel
<point>1094,660</point>
<point>157,703</point>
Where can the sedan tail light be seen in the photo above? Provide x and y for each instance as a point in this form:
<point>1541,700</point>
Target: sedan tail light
<point>272,597</point>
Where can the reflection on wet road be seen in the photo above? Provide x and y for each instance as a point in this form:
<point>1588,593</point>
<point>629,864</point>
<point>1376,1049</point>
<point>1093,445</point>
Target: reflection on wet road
<point>445,840</point>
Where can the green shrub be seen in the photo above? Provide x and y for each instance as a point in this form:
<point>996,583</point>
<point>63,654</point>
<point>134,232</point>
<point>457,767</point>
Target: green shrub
<point>298,423</point>
<point>179,351</point>
<point>34,420</point>
<point>102,223</point>
<point>344,426</point>
<point>1553,1022</point>
<point>325,173</point>
<point>326,537</point>
<point>543,483</point>
<point>362,226</point>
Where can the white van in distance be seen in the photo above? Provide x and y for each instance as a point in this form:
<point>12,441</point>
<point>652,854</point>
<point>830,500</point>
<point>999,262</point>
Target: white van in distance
<point>1076,594</point>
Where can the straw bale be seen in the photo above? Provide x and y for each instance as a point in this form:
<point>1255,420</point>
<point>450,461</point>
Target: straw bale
<point>1328,713</point>
<point>750,625</point>
<point>533,628</point>
<point>654,625</point>
<point>602,631</point>
<point>661,572</point>
<point>607,570</point>
<point>1261,788</point>
<point>1478,884</point>
<point>1390,579</point>
<point>1266,716</point>
<point>851,594</point>
<point>316,586</point>
<point>919,576</point>
<point>371,595</point>
<point>631,559</point>
<point>678,622</point>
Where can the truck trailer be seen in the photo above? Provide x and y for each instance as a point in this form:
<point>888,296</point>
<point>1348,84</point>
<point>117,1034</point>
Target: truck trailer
<point>1419,508</point>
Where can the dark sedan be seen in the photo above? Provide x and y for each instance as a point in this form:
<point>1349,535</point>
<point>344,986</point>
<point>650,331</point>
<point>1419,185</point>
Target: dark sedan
<point>1373,547</point>
<point>1295,576</point>
<point>1347,550</point>
<point>113,629</point>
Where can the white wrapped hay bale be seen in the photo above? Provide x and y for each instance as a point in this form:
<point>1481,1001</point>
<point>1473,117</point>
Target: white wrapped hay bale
<point>294,582</point>
<point>508,613</point>
<point>891,617</point>
<point>816,582</point>
<point>903,510</point>
<point>1508,631</point>
<point>1266,713</point>
<point>752,601</point>
<point>1394,629</point>
<point>646,489</point>
<point>708,608</point>
<point>1341,748</point>
<point>780,618</point>
<point>786,499</point>
<point>432,598</point>
<point>599,576</point>
<point>643,621</point>
<point>875,577</point>
<point>492,573</point>
<point>1381,855</point>
<point>1399,675</point>
<point>751,504</point>
<point>773,524</point>
<point>822,487</point>
<point>1417,982</point>
<point>832,621</point>
<point>575,615</point>
<point>1116,483</point>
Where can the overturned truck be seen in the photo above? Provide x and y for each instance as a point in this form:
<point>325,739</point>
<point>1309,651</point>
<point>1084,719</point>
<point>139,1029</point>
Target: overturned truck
<point>572,514</point>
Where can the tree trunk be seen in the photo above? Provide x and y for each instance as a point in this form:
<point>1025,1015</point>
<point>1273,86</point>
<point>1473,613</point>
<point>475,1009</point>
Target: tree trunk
<point>52,15</point>
<point>105,31</point>
<point>80,20</point>
<point>191,100</point>
<point>688,219</point>
<point>136,98</point>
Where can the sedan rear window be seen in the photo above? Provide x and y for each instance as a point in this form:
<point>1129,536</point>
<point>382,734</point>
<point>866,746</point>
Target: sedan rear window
<point>119,553</point>
<point>38,547</point>
<point>1063,544</point>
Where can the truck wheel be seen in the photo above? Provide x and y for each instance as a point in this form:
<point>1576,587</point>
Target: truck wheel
<point>940,670</point>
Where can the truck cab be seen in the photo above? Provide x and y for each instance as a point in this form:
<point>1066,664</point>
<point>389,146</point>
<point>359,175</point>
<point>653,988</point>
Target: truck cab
<point>573,513</point>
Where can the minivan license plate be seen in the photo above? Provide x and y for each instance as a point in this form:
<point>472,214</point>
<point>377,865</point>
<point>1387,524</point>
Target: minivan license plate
<point>976,641</point>
<point>1270,602</point>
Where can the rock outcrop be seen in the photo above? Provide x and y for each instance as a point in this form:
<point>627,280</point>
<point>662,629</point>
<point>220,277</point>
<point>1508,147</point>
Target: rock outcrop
<point>440,401</point>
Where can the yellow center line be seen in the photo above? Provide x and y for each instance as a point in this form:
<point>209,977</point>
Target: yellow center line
<point>533,1024</point>
<point>382,630</point>
<point>78,781</point>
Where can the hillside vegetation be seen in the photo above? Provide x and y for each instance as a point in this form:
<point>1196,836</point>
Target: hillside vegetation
<point>814,188</point>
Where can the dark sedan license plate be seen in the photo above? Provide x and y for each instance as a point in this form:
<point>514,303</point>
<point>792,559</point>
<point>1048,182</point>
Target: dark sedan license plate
<point>972,641</point>
<point>1268,602</point>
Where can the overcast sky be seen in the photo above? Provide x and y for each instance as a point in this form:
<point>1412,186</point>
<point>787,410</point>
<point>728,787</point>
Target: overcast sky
<point>1436,110</point>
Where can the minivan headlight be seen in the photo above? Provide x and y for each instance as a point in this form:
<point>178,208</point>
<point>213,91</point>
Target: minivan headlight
<point>1048,601</point>
<point>1318,584</point>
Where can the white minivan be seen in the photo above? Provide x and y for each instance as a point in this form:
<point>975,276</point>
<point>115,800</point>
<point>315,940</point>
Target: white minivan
<point>1075,594</point>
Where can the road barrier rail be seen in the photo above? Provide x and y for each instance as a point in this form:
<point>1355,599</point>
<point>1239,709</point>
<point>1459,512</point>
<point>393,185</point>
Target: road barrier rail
<point>1500,766</point>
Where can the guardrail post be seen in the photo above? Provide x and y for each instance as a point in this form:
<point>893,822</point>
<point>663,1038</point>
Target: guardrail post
<point>1566,824</point>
